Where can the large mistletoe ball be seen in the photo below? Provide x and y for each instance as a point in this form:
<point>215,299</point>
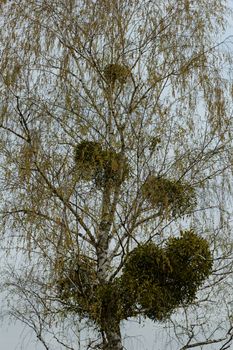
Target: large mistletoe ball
<point>160,279</point>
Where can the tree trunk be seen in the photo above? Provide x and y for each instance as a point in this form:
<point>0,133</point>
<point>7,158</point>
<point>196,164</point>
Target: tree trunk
<point>113,337</point>
<point>110,324</point>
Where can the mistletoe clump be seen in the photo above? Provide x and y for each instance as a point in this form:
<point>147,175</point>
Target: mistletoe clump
<point>147,262</point>
<point>88,158</point>
<point>161,279</point>
<point>169,196</point>
<point>191,262</point>
<point>106,167</point>
<point>111,303</point>
<point>76,282</point>
<point>117,72</point>
<point>145,274</point>
<point>80,290</point>
<point>113,171</point>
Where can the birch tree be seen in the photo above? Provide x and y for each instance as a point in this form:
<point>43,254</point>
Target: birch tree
<point>116,164</point>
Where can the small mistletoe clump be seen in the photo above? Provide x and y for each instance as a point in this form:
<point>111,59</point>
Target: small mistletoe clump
<point>116,72</point>
<point>160,279</point>
<point>169,196</point>
<point>113,170</point>
<point>106,167</point>
<point>88,157</point>
<point>80,290</point>
<point>76,282</point>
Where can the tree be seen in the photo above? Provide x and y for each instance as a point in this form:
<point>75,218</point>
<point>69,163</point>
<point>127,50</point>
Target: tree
<point>116,160</point>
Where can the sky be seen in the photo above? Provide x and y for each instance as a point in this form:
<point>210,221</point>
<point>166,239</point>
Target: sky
<point>147,336</point>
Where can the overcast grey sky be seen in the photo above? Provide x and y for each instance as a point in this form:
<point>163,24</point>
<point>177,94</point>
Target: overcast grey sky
<point>146,336</point>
